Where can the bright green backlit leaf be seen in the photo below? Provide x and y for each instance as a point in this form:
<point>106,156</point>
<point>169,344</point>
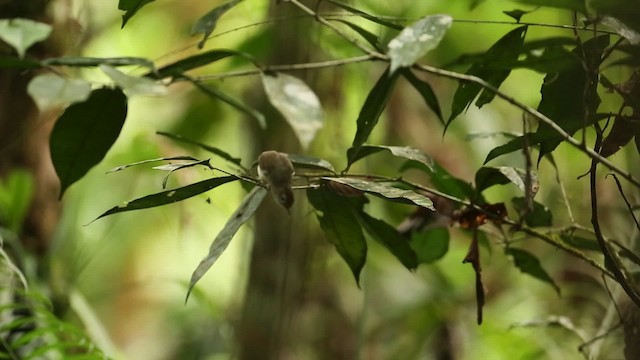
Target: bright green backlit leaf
<point>207,23</point>
<point>386,191</point>
<point>134,85</point>
<point>430,245</point>
<point>529,264</point>
<point>297,103</point>
<point>388,236</point>
<point>355,154</point>
<point>22,33</point>
<point>131,7</point>
<point>417,39</point>
<point>244,212</point>
<point>50,90</point>
<point>85,132</point>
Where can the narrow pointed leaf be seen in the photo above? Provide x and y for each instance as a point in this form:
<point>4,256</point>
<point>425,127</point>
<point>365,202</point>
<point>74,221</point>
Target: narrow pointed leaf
<point>211,149</point>
<point>371,38</point>
<point>297,103</point>
<point>539,215</point>
<point>196,61</point>
<point>85,132</point>
<point>244,212</point>
<point>169,196</point>
<point>406,152</point>
<point>50,90</point>
<point>131,7</point>
<point>134,85</point>
<point>417,39</point>
<point>390,238</point>
<point>430,245</point>
<point>213,92</point>
<point>310,162</point>
<point>386,191</point>
<point>529,264</point>
<point>22,33</point>
<point>372,108</point>
<point>340,226</point>
<point>487,177</point>
<point>365,15</point>
<point>208,22</point>
<point>77,61</point>
<point>175,167</point>
<point>122,167</point>
<point>425,90</point>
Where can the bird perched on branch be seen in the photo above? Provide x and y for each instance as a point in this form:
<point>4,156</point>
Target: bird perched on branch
<point>276,170</point>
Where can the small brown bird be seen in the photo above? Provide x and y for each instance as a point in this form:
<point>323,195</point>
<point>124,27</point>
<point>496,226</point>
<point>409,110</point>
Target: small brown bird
<point>276,170</point>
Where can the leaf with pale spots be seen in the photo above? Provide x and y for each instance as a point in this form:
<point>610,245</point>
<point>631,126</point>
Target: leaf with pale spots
<point>385,191</point>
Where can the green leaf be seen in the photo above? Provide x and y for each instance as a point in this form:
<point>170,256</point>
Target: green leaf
<point>417,39</point>
<point>355,154</point>
<point>539,215</point>
<point>487,177</point>
<point>371,38</point>
<point>213,92</point>
<point>196,61</point>
<point>508,48</point>
<point>214,150</point>
<point>297,103</point>
<point>131,7</point>
<point>430,245</point>
<point>309,162</point>
<point>386,191</point>
<point>22,33</point>
<point>169,196</point>
<point>122,167</point>
<point>390,238</point>
<point>625,11</point>
<point>365,15</point>
<point>529,264</point>
<point>175,167</point>
<point>50,90</point>
<point>622,131</point>
<point>632,35</point>
<point>134,85</point>
<point>85,132</point>
<point>442,180</point>
<point>16,192</point>
<point>575,5</point>
<point>340,226</point>
<point>12,62</point>
<point>425,90</point>
<point>207,23</point>
<point>75,61</point>
<point>580,242</point>
<point>373,107</point>
<point>516,14</point>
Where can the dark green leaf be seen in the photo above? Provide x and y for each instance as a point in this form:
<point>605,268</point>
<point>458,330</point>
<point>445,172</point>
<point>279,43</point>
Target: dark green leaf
<point>442,180</point>
<point>625,11</point>
<point>169,196</point>
<point>621,133</point>
<point>207,23</point>
<point>425,90</point>
<point>371,38</point>
<point>244,212</point>
<point>417,39</point>
<point>580,242</point>
<point>22,33</point>
<point>310,162</point>
<point>122,167</point>
<point>508,48</point>
<point>529,264</point>
<point>373,107</point>
<point>430,245</point>
<point>85,132</point>
<point>355,154</point>
<point>575,5</point>
<point>364,15</point>
<point>75,61</point>
<point>388,236</point>
<point>487,177</point>
<point>255,114</point>
<point>340,225</point>
<point>516,14</point>
<point>539,215</point>
<point>211,149</point>
<point>386,191</point>
<point>131,7</point>
<point>18,63</point>
<point>196,61</point>
<point>627,32</point>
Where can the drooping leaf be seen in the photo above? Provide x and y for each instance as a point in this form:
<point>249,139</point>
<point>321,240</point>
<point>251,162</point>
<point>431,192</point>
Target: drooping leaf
<point>310,162</point>
<point>85,132</point>
<point>425,90</point>
<point>386,191</point>
<point>538,215</point>
<point>22,33</point>
<point>169,196</point>
<point>487,177</point>
<point>508,48</point>
<point>575,5</point>
<point>122,167</point>
<point>214,150</point>
<point>430,245</point>
<point>175,167</point>
<point>354,154</point>
<point>130,7</point>
<point>442,180</point>
<point>196,61</point>
<point>622,132</point>
<point>529,264</point>
<point>516,14</point>
<point>340,226</point>
<point>297,103</point>
<point>50,90</point>
<point>388,236</point>
<point>75,61</point>
<point>371,38</point>
<point>207,23</point>
<point>417,39</point>
<point>134,85</point>
<point>632,35</point>
<point>373,107</point>
<point>255,114</point>
<point>244,212</point>
<point>365,15</point>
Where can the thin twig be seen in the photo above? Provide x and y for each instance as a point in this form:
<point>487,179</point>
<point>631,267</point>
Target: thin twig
<point>625,199</point>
